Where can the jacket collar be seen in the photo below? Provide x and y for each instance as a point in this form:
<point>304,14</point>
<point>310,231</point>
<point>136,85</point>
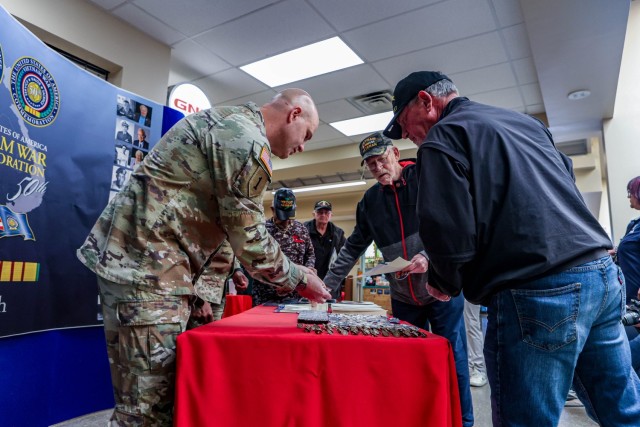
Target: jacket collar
<point>452,105</point>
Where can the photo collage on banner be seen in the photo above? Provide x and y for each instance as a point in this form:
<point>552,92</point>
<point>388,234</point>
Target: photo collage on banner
<point>132,139</point>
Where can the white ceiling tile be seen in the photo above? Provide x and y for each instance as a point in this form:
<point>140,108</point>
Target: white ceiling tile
<point>505,98</point>
<point>508,12</point>
<point>535,109</point>
<point>531,94</point>
<point>421,29</point>
<point>181,72</point>
<point>353,81</point>
<point>183,54</point>
<point>484,79</point>
<point>525,70</point>
<point>260,98</point>
<point>108,4</point>
<point>194,16</point>
<point>461,55</point>
<point>179,75</point>
<point>229,84</point>
<point>345,15</point>
<point>148,24</point>
<point>325,133</point>
<point>517,41</point>
<point>268,34</point>
<point>334,111</point>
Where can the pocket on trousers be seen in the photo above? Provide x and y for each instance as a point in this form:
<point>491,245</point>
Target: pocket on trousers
<point>548,317</point>
<point>147,334</point>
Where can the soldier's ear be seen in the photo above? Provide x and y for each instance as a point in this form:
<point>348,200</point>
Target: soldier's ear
<point>294,113</point>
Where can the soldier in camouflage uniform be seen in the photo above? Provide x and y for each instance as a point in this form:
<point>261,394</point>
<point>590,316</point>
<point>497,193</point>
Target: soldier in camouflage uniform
<point>292,236</point>
<point>172,231</point>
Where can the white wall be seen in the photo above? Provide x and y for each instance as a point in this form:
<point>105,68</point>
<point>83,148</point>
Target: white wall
<point>622,132</point>
<point>137,62</point>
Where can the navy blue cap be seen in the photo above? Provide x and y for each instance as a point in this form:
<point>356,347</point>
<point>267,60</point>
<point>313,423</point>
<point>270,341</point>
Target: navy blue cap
<point>284,203</point>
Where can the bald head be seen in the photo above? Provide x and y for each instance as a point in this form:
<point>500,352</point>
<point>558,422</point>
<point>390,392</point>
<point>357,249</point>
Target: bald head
<point>291,118</point>
<point>296,98</point>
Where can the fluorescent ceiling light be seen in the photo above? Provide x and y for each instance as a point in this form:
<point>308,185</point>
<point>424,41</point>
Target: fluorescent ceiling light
<point>366,124</point>
<point>325,186</point>
<point>302,63</point>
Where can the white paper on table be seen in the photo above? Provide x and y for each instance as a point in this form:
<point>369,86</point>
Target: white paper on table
<point>391,267</point>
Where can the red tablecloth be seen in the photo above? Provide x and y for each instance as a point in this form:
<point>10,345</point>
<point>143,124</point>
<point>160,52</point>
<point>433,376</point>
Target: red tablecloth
<point>236,304</point>
<point>257,369</point>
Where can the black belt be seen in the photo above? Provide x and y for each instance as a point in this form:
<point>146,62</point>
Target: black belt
<point>589,256</point>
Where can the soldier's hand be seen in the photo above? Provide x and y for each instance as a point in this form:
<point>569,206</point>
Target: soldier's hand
<point>202,314</point>
<point>240,280</point>
<point>315,289</point>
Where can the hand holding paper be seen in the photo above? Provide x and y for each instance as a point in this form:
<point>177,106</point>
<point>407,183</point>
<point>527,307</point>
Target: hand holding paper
<point>419,264</point>
<point>391,267</point>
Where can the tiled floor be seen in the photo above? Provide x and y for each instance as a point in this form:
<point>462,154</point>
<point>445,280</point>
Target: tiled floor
<point>571,417</point>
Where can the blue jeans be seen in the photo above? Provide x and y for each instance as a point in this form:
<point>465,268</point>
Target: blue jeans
<point>634,343</point>
<point>556,330</point>
<point>447,320</point>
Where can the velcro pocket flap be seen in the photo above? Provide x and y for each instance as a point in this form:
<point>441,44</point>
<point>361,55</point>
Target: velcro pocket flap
<point>168,310</point>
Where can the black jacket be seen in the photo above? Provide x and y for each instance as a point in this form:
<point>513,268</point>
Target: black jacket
<point>386,215</point>
<point>324,254</point>
<point>497,203</point>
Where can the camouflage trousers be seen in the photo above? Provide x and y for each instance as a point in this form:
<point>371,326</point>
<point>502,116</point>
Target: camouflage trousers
<point>141,330</point>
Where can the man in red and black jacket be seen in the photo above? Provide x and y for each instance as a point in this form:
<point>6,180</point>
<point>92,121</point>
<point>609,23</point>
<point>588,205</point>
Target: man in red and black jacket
<point>387,216</point>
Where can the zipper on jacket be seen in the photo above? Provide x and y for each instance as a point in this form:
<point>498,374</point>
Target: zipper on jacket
<point>404,246</point>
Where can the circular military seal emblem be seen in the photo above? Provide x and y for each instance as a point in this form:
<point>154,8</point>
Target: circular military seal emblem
<point>34,92</point>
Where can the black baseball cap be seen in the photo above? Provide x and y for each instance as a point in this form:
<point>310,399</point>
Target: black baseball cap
<point>322,204</point>
<point>374,145</point>
<point>405,91</point>
<point>284,203</point>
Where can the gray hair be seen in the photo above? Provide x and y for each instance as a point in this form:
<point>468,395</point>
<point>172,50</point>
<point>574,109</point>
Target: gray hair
<point>442,89</point>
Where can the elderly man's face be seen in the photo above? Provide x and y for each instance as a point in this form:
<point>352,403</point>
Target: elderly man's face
<point>416,119</point>
<point>141,135</point>
<point>322,216</point>
<point>385,167</point>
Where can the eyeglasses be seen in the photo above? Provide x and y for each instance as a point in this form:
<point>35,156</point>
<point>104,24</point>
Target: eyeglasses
<point>382,160</point>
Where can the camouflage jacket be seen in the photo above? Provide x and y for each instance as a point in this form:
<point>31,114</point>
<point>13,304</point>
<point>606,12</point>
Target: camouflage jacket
<point>194,200</point>
<point>296,244</point>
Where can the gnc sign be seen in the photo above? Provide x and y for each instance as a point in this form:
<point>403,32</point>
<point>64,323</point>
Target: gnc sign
<point>187,98</point>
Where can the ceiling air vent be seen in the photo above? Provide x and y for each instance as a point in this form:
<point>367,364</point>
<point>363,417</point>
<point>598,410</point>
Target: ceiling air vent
<point>574,148</point>
<point>372,103</point>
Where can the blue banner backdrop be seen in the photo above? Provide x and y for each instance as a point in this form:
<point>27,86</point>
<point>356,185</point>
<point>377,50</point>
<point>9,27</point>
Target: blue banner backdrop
<point>68,142</point>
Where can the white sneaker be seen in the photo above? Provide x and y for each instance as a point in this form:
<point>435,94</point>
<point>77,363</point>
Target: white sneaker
<point>477,378</point>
